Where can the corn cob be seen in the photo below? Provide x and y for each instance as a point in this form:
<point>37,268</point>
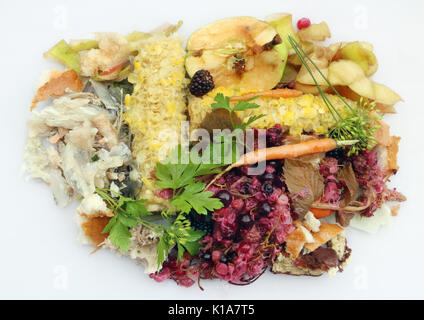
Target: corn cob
<point>307,113</point>
<point>156,108</point>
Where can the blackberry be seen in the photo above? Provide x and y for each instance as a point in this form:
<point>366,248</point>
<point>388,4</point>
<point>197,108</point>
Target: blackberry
<point>200,222</point>
<point>246,221</point>
<point>267,188</point>
<point>201,83</point>
<point>264,209</point>
<point>225,197</point>
<point>223,259</point>
<point>338,154</point>
<point>205,256</point>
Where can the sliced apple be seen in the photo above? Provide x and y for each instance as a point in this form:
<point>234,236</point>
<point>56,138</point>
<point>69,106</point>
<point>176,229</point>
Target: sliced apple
<point>315,33</point>
<point>290,74</point>
<point>385,95</point>
<point>362,54</point>
<point>344,73</point>
<point>321,57</point>
<point>239,52</point>
<point>283,23</point>
<point>310,89</point>
<point>63,53</point>
<point>363,87</point>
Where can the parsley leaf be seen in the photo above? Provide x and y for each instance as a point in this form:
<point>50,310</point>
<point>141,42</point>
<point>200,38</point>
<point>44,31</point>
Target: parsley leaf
<point>128,214</point>
<point>174,174</point>
<point>250,121</point>
<point>182,235</point>
<point>137,209</point>
<point>188,194</point>
<point>120,235</point>
<point>246,105</point>
<point>193,247</point>
<point>223,102</point>
<point>194,197</point>
<point>162,250</point>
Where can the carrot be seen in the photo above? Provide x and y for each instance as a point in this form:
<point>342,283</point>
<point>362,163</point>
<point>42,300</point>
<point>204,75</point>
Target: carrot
<point>321,213</point>
<point>285,152</point>
<point>278,93</point>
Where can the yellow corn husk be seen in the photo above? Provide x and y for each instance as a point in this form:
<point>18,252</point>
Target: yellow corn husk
<point>156,107</point>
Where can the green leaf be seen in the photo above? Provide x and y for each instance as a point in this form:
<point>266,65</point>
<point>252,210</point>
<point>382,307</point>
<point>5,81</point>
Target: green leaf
<point>246,105</point>
<point>162,250</point>
<point>193,247</point>
<point>136,209</point>
<point>193,197</point>
<point>174,174</point>
<point>222,102</point>
<point>250,121</point>
<point>194,235</point>
<point>180,251</point>
<point>120,236</point>
<point>128,221</point>
<point>110,224</point>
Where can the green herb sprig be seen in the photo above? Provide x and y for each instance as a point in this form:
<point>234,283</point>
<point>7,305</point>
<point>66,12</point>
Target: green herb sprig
<point>360,123</point>
<point>129,213</point>
<point>223,102</point>
<point>188,194</point>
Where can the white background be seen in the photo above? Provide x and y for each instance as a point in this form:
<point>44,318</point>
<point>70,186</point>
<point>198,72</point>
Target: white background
<point>40,257</point>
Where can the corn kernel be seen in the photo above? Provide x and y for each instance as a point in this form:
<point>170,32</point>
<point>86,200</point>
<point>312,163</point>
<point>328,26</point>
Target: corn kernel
<point>127,100</point>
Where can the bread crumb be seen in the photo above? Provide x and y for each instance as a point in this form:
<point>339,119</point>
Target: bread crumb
<point>338,244</point>
<point>311,222</point>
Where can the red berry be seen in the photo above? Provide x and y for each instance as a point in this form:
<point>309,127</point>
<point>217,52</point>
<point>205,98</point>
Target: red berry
<point>303,23</point>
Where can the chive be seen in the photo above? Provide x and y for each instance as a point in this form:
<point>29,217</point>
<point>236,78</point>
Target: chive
<point>358,125</point>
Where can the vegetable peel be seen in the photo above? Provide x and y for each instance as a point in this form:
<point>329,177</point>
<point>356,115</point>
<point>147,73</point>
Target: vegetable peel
<point>57,86</point>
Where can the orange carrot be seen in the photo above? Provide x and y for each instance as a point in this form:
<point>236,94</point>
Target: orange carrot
<point>321,213</point>
<point>285,152</point>
<point>278,93</point>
